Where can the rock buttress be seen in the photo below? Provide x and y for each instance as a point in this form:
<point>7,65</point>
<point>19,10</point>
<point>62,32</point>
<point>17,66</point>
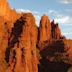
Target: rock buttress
<point>21,50</point>
<point>44,30</point>
<point>56,33</point>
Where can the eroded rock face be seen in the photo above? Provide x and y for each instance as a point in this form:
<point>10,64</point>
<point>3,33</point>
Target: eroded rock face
<point>28,43</point>
<point>3,36</point>
<point>44,30</point>
<point>21,50</point>
<point>56,33</point>
<point>19,38</point>
<point>68,49</point>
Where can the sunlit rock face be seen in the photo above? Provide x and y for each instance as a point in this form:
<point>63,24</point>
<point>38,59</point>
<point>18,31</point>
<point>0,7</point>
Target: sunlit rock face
<point>29,40</point>
<point>20,53</point>
<point>3,36</point>
<point>44,30</point>
<point>7,12</point>
<point>4,8</point>
<point>18,37</point>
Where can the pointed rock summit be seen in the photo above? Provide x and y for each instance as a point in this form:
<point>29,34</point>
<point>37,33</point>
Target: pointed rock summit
<point>44,30</point>
<point>56,33</point>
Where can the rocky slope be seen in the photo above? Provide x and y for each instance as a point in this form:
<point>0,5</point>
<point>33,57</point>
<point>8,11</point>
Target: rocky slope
<point>24,46</point>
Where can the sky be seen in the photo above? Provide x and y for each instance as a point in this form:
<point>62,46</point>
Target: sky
<point>59,10</point>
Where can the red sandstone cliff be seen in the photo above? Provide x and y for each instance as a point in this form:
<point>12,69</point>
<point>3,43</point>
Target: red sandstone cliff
<point>21,50</point>
<point>20,38</point>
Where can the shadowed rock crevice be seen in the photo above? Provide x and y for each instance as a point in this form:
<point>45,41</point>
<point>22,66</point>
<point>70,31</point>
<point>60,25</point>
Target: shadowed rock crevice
<point>15,60</point>
<point>55,46</point>
<point>14,37</point>
<point>51,57</point>
<point>20,54</point>
<point>47,66</point>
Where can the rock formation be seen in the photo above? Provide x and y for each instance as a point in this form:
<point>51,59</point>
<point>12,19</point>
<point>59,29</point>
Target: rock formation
<point>68,49</point>
<point>3,36</point>
<point>44,30</point>
<point>56,33</point>
<point>28,43</point>
<point>20,38</point>
<point>21,50</point>
<point>6,12</point>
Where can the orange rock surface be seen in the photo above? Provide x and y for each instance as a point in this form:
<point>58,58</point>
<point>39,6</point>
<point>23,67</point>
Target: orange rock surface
<point>4,8</point>
<point>21,50</point>
<point>44,30</point>
<point>20,37</point>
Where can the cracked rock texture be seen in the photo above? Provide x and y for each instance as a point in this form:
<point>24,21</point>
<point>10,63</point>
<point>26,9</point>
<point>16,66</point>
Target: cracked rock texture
<point>20,38</point>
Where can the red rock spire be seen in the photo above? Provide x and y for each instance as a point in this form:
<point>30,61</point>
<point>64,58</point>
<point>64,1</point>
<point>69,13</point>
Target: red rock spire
<point>44,30</point>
